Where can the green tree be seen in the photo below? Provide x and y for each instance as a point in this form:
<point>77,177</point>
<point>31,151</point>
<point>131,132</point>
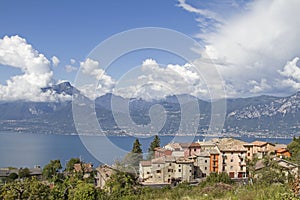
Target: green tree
<point>23,173</point>
<point>121,184</point>
<point>85,191</point>
<point>154,144</point>
<point>13,176</point>
<point>70,164</point>
<point>294,148</point>
<point>136,148</point>
<point>25,189</point>
<point>50,171</point>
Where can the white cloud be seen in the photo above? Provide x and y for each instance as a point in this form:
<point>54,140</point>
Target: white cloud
<point>72,61</point>
<point>70,68</point>
<point>91,68</point>
<point>55,61</point>
<point>16,52</point>
<point>291,74</point>
<point>252,45</point>
<point>291,69</point>
<point>153,81</point>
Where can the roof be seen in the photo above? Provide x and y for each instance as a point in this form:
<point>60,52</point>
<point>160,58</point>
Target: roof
<point>88,167</point>
<point>281,162</point>
<point>163,150</point>
<point>175,146</point>
<point>280,146</point>
<point>229,144</point>
<point>159,160</point>
<point>261,143</point>
<point>184,160</point>
<point>190,145</point>
<point>145,163</point>
<point>281,150</point>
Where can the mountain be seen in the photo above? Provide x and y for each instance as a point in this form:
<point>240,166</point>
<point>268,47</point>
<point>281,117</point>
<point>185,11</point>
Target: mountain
<point>255,116</point>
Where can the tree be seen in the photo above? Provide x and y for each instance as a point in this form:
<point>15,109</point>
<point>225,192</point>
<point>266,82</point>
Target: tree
<point>120,184</point>
<point>25,189</point>
<point>85,191</point>
<point>50,171</point>
<point>294,148</point>
<point>70,164</point>
<point>154,144</point>
<point>136,148</point>
<point>13,176</point>
<point>23,173</point>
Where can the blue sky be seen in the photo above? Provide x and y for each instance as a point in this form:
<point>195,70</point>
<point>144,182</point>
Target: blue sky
<point>253,45</point>
<point>71,30</point>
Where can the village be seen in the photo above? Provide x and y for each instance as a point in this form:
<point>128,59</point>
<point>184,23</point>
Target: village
<point>193,162</point>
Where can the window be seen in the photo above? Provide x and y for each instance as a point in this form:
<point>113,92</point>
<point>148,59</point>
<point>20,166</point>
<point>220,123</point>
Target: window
<point>158,171</point>
<point>170,164</point>
<point>231,167</point>
<point>158,165</point>
<point>205,168</point>
<point>179,170</point>
<point>231,160</point>
<point>223,168</point>
<point>190,170</point>
<point>205,161</point>
<point>248,154</point>
<point>195,149</point>
<point>148,172</point>
<point>179,165</point>
<point>170,170</point>
<point>231,153</point>
<point>242,168</point>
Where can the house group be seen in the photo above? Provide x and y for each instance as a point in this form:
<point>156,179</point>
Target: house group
<point>190,162</point>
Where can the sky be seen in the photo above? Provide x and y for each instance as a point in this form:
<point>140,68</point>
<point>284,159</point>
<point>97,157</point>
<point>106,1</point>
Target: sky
<point>253,45</point>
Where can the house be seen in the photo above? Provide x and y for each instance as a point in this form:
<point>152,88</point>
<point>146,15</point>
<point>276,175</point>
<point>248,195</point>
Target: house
<point>190,149</point>
<point>85,168</point>
<point>260,148</point>
<point>282,153</point>
<point>167,169</point>
<point>287,167</point>
<point>202,164</point>
<point>159,152</point>
<point>230,157</point>
<point>176,149</point>
<point>103,174</point>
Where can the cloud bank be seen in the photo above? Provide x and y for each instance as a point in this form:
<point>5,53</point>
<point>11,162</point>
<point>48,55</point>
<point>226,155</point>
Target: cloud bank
<point>36,72</point>
<point>251,47</point>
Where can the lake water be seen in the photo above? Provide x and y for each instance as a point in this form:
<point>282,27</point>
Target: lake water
<point>27,150</point>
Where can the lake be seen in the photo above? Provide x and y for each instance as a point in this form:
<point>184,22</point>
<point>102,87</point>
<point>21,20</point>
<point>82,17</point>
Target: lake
<point>27,150</point>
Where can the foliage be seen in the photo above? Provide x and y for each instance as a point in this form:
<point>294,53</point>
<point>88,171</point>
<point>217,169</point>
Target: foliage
<point>70,164</point>
<point>136,148</point>
<point>121,184</point>
<point>271,173</point>
<point>25,189</point>
<point>217,178</point>
<point>50,171</point>
<point>294,148</point>
<point>154,144</point>
<point>85,191</point>
<point>12,176</point>
<point>23,173</point>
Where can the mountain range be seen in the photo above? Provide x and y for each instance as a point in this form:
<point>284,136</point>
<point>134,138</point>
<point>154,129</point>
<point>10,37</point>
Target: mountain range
<point>253,116</point>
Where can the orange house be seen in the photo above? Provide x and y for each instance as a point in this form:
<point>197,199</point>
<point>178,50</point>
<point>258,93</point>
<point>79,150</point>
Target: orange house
<point>283,152</point>
<point>214,162</point>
